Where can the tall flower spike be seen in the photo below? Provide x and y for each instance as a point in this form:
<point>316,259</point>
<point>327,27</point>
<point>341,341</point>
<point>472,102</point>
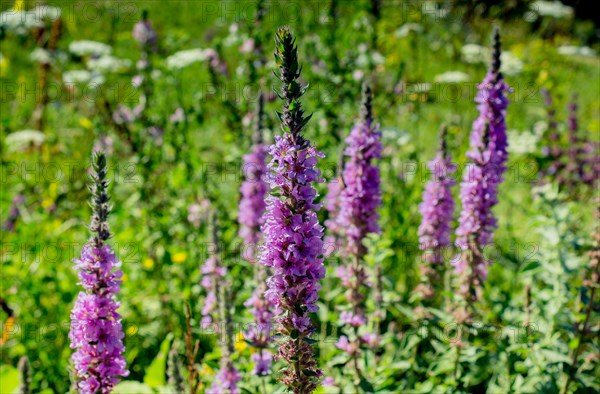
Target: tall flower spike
<point>358,216</point>
<point>25,375</point>
<point>553,150</point>
<point>252,209</point>
<point>96,330</point>
<point>254,189</point>
<point>478,193</point>
<point>144,33</point>
<point>361,197</point>
<point>436,211</point>
<point>100,202</point>
<point>293,236</point>
<point>228,376</point>
<point>334,240</point>
<point>479,189</point>
<point>575,168</point>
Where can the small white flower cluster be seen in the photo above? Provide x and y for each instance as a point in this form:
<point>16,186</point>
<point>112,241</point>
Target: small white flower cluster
<point>434,10</point>
<point>572,50</point>
<point>20,22</point>
<point>555,9</point>
<point>40,55</point>
<point>452,77</point>
<point>511,65</point>
<point>522,142</point>
<point>82,77</point>
<point>108,63</point>
<point>473,53</point>
<point>98,59</point>
<point>182,59</point>
<point>366,57</point>
<point>408,28</point>
<point>23,139</point>
<point>89,48</point>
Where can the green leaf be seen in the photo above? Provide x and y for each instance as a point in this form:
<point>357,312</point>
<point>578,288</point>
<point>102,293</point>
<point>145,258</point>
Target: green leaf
<point>574,343</point>
<point>339,361</point>
<point>155,374</point>
<point>9,378</point>
<point>132,387</point>
<point>366,386</point>
<point>532,265</point>
<point>310,341</point>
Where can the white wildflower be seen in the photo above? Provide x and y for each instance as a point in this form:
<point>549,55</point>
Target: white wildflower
<point>47,12</point>
<point>182,59</point>
<point>510,64</point>
<point>554,9</point>
<point>522,142</point>
<point>82,77</point>
<point>24,138</point>
<point>41,56</point>
<point>88,48</point>
<point>434,10</point>
<point>540,127</point>
<point>19,22</point>
<point>452,77</point>
<point>108,63</point>
<point>358,75</point>
<point>473,53</point>
<point>408,28</point>
<point>572,50</point>
<point>420,87</point>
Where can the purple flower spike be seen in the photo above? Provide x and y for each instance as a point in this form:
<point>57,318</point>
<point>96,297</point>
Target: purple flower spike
<point>361,196</point>
<point>436,210</point>
<point>144,33</point>
<point>252,207</point>
<point>293,247</point>
<point>96,330</point>
<point>225,382</point>
<point>357,216</point>
<point>218,310</point>
<point>479,188</point>
<point>254,188</point>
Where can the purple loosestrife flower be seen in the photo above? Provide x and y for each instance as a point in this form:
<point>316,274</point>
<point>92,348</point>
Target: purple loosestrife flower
<point>359,201</point>
<point>252,207</point>
<point>144,33</point>
<point>478,193</point>
<point>582,162</point>
<point>225,382</point>
<point>492,103</point>
<point>293,236</point>
<point>479,188</point>
<point>436,210</point>
<point>334,241</point>
<point>178,116</point>
<point>254,188</point>
<point>212,271</point>
<point>553,150</point>
<point>13,213</point>
<point>96,330</point>
<point>574,168</point>
<point>361,197</point>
